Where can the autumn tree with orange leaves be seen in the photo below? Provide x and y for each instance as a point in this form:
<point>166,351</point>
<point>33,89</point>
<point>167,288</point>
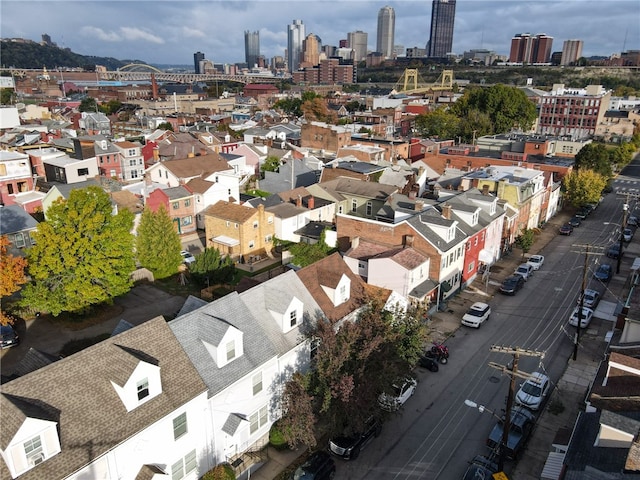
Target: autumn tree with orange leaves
<point>12,274</point>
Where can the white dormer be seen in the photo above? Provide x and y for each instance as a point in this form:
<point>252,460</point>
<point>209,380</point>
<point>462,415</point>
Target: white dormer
<point>35,442</point>
<point>142,385</point>
<point>291,317</point>
<point>228,349</point>
<point>103,144</point>
<point>341,293</point>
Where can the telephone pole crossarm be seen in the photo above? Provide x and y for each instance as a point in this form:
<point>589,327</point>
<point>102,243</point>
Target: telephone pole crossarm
<point>516,350</point>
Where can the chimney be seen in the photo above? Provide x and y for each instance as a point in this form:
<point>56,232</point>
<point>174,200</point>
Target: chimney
<point>299,201</point>
<point>446,211</point>
<point>408,241</point>
<point>418,206</point>
<point>355,242</point>
<point>311,203</point>
<point>485,189</point>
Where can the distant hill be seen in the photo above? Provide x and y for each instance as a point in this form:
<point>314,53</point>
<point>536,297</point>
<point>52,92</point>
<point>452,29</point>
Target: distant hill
<point>30,54</point>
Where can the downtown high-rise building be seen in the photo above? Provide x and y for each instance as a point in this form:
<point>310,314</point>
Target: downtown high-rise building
<point>251,48</point>
<point>443,13</point>
<point>571,52</point>
<point>386,31</point>
<point>357,41</point>
<point>310,51</point>
<point>527,48</point>
<point>295,37</point>
<point>198,57</point>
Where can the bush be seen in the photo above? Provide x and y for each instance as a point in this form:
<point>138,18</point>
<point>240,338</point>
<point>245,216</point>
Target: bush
<point>223,471</point>
<point>276,438</point>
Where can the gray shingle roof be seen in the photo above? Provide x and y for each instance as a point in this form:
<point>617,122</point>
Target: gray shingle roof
<point>14,218</point>
<point>78,391</point>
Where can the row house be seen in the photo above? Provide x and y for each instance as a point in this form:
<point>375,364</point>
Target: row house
<point>94,123</point>
<point>178,202</point>
<point>109,158</point>
<point>132,160</point>
<point>322,136</point>
<point>293,172</point>
<point>16,176</point>
<point>18,226</point>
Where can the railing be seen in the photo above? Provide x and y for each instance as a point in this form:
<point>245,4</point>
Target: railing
<point>255,454</point>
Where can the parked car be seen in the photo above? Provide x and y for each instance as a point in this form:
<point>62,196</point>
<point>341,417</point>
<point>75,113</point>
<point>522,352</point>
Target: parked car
<point>591,298</point>
<point>400,393</point>
<point>525,270</point>
<point>477,314</point>
<point>603,273</point>
<point>566,229</point>
<point>536,261</point>
<point>187,257</point>
<point>582,213</point>
<point>533,391</point>
<point>9,336</point>
<point>585,318</point>
<point>319,466</point>
<point>575,222</point>
<point>349,447</point>
<point>512,284</point>
<point>633,221</point>
<point>522,422</point>
<point>480,468</point>
<point>614,251</point>
<point>430,363</point>
<point>627,234</point>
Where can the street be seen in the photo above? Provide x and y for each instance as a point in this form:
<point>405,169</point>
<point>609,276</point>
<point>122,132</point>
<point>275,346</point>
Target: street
<point>435,435</point>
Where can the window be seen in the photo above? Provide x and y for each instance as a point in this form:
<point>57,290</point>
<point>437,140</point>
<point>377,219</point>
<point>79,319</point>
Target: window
<point>268,239</point>
<point>132,162</point>
<point>257,383</point>
<point>179,426</point>
<point>252,244</point>
<point>293,318</point>
<point>18,240</point>
<point>184,466</point>
<point>369,208</point>
<point>354,206</point>
<point>236,225</point>
<point>228,223</point>
<point>255,224</point>
<point>270,220</point>
<point>33,451</point>
<point>231,350</point>
<point>134,173</point>
<point>143,388</point>
<point>187,202</point>
<point>258,419</point>
<point>343,293</point>
<point>160,173</point>
<point>131,152</point>
<point>175,205</point>
<point>339,208</point>
<point>10,188</point>
<point>471,265</point>
<point>475,243</point>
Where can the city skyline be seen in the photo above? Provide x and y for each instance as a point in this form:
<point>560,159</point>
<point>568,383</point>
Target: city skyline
<point>170,33</point>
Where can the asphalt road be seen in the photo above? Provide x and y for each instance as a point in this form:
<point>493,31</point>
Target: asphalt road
<point>436,434</point>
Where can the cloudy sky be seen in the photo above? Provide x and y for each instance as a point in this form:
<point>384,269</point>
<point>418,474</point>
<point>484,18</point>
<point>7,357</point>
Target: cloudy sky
<point>170,31</point>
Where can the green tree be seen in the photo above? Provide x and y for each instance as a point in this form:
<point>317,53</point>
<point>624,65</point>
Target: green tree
<point>476,124</point>
<point>290,106</point>
<point>83,254</point>
<point>583,186</point>
<point>158,244</point>
<point>88,104</point>
<point>507,107</point>
<point>594,156</point>
<point>438,124</point>
<point>6,96</point>
<point>525,240</point>
<point>271,164</point>
<point>304,254</point>
<point>298,416</point>
<point>165,126</point>
<point>212,267</point>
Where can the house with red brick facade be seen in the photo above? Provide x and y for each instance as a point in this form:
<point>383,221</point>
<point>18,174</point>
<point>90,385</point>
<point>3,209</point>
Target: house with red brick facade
<point>179,204</point>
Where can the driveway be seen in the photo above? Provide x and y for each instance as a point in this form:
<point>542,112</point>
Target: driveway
<point>142,303</point>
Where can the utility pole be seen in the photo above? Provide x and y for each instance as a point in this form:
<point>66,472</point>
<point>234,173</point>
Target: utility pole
<point>506,426</point>
<point>623,225</point>
<point>584,286</point>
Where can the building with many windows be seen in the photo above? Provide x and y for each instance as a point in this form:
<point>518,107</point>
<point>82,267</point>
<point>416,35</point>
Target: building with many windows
<point>386,31</point>
<point>251,48</point>
<point>357,41</point>
<point>295,37</point>
<point>443,14</point>
<point>571,51</point>
<point>527,48</point>
<point>197,58</point>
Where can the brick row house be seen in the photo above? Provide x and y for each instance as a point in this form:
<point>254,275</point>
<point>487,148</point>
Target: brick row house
<point>179,204</point>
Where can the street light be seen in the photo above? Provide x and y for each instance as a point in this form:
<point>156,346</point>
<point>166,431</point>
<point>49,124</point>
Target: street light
<point>505,429</point>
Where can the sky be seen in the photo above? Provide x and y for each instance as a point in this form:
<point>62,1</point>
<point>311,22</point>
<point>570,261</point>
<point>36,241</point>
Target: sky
<point>169,32</point>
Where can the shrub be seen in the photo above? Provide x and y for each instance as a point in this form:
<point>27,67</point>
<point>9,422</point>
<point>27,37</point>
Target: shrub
<point>222,471</point>
<point>276,438</point>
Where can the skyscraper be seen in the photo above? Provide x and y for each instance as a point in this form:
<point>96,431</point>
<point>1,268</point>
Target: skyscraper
<point>526,48</point>
<point>386,31</point>
<point>251,48</point>
<point>357,41</point>
<point>311,51</point>
<point>571,51</point>
<point>295,37</point>
<point>443,13</point>
<point>197,58</point>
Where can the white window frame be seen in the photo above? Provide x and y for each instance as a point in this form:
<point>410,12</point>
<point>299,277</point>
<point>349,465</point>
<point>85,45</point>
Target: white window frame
<point>142,388</point>
<point>33,451</point>
<point>180,427</point>
<point>256,383</point>
<point>258,419</point>
<point>184,466</point>
<point>231,350</point>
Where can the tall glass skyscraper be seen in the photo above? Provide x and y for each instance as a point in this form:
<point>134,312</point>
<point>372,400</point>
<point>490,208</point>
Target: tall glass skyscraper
<point>386,31</point>
<point>443,13</point>
<point>295,37</point>
<point>197,58</point>
<point>251,48</point>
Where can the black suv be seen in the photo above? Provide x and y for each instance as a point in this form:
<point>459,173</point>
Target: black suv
<point>9,336</point>
<point>319,466</point>
<point>349,447</point>
<point>512,284</point>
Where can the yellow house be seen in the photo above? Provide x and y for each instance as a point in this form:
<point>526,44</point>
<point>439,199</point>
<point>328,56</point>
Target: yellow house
<point>244,233</point>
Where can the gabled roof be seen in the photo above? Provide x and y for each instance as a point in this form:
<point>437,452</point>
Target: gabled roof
<point>230,211</point>
<point>360,188</point>
<point>198,166</point>
<point>77,393</point>
<point>14,218</point>
<point>421,224</point>
<point>199,185</point>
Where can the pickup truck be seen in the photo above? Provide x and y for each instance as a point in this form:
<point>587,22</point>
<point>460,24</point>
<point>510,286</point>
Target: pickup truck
<point>522,422</point>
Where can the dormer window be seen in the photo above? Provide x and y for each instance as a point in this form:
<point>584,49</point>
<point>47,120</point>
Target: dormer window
<point>343,293</point>
<point>143,388</point>
<point>33,451</point>
<point>293,318</point>
<point>231,350</point>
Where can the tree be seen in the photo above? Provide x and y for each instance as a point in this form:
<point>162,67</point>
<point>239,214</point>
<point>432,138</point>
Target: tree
<point>438,124</point>
<point>158,244</point>
<point>6,96</point>
<point>316,109</point>
<point>583,186</point>
<point>211,267</point>
<point>298,419</point>
<point>88,104</point>
<point>83,254</point>
<point>525,240</point>
<point>476,124</point>
<point>507,107</point>
<point>165,126</point>
<point>594,156</point>
<point>12,274</point>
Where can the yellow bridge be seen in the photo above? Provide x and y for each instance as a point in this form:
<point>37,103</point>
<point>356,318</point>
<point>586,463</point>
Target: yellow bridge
<point>412,83</point>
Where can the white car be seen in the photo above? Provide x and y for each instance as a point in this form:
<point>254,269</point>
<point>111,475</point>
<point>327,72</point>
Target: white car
<point>476,315</point>
<point>536,261</point>
<point>585,318</point>
<point>591,298</point>
<point>187,257</point>
<point>525,271</point>
<point>533,391</point>
<point>402,390</point>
